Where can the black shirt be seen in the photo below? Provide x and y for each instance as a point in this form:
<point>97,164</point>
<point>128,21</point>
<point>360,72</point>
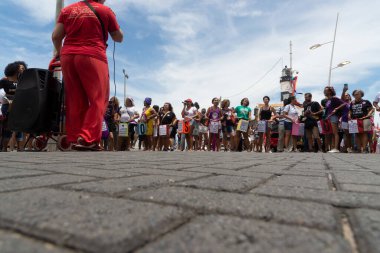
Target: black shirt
<point>311,107</point>
<point>9,88</point>
<point>167,118</point>
<point>360,109</point>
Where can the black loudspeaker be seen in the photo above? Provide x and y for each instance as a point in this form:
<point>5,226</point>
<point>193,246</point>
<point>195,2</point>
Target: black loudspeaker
<point>37,105</point>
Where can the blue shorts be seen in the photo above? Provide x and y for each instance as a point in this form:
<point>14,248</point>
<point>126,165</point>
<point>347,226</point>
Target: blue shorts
<point>334,119</point>
<point>288,126</point>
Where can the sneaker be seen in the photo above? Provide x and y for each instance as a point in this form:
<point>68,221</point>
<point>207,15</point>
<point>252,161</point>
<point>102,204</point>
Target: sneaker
<point>334,151</point>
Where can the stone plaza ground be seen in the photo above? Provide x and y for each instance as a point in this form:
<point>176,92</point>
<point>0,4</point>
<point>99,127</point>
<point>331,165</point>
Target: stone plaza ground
<point>189,202</point>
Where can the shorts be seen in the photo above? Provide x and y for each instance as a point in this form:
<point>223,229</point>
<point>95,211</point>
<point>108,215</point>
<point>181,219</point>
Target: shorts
<point>334,119</point>
<point>227,129</point>
<point>288,126</point>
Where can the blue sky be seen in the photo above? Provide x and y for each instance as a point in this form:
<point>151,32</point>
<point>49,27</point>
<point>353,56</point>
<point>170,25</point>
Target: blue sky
<point>175,49</point>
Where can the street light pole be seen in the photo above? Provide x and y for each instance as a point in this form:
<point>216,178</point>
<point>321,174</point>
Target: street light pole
<point>332,51</point>
<point>125,84</point>
<point>58,8</point>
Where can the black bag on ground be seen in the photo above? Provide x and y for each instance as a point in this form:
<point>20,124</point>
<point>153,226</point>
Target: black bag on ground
<point>36,107</point>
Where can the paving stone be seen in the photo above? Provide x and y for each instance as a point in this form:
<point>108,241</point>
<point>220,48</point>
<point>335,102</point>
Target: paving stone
<point>121,185</point>
<point>301,213</point>
<point>224,183</point>
<point>300,181</point>
<point>11,242</point>
<point>357,178</point>
<point>102,173</point>
<point>11,172</point>
<point>94,224</point>
<point>231,234</point>
<point>366,226</point>
<point>337,198</point>
<point>360,188</point>
<point>40,181</point>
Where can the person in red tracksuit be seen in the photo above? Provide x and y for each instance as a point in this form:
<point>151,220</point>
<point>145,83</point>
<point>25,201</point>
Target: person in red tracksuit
<point>85,68</point>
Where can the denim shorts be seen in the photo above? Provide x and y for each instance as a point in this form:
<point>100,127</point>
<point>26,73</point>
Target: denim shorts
<point>288,126</point>
<point>334,119</point>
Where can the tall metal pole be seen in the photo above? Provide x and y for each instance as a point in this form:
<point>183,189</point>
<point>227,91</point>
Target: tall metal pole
<point>291,55</point>
<point>332,51</point>
<point>125,84</point>
<point>58,8</point>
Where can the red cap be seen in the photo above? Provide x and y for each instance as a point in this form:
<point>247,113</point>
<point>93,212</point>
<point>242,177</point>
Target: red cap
<point>189,100</point>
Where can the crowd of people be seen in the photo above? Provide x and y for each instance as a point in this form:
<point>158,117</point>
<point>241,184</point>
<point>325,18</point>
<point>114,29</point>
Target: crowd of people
<point>336,124</point>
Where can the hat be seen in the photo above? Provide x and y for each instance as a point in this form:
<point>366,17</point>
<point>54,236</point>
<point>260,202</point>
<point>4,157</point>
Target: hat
<point>189,100</point>
<point>148,101</point>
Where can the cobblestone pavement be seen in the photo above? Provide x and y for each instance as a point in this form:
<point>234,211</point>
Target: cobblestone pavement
<point>189,202</point>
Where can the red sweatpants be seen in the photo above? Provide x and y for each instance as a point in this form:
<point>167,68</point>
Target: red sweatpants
<point>86,81</point>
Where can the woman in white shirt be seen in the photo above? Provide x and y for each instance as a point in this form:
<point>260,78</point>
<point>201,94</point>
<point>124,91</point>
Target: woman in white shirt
<point>291,116</point>
<point>128,114</point>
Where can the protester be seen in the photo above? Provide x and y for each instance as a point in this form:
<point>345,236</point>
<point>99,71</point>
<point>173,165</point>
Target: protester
<point>362,110</point>
<point>203,135</point>
<point>344,120</point>
<point>148,116</point>
<point>312,112</point>
<point>189,113</point>
<point>214,115</point>
<point>228,122</point>
<point>9,84</point>
<point>334,106</point>
<point>266,113</point>
<point>243,112</point>
<point>128,114</point>
<point>112,118</point>
<point>167,120</point>
<point>85,68</point>
<point>291,117</point>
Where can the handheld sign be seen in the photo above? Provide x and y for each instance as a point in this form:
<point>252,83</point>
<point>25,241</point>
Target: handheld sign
<point>243,125</point>
<point>183,127</point>
<point>141,128</point>
<point>262,126</point>
<point>123,129</point>
<point>298,129</point>
<point>214,127</point>
<point>353,127</point>
<point>324,127</point>
<point>163,130</point>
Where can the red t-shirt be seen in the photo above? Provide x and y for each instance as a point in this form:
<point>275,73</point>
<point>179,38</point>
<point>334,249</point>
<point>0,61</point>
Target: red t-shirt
<point>84,35</point>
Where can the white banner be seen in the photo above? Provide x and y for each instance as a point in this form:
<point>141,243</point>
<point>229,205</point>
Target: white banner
<point>353,127</point>
<point>214,127</point>
<point>123,129</point>
<point>262,126</point>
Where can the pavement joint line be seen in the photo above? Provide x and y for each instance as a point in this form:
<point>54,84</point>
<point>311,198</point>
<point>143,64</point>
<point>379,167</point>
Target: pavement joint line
<point>23,230</point>
<point>359,165</point>
<point>263,182</point>
<point>25,176</point>
<point>326,202</point>
<point>203,212</point>
<point>122,194</point>
<point>49,185</point>
<point>348,233</point>
<point>159,236</point>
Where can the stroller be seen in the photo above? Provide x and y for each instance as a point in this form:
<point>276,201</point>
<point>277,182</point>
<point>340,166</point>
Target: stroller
<point>38,108</point>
